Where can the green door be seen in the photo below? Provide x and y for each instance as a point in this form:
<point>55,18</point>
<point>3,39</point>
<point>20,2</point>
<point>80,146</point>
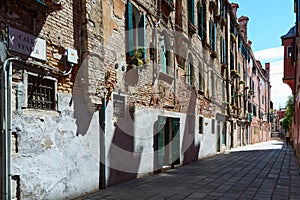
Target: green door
<point>175,141</point>
<point>160,141</point>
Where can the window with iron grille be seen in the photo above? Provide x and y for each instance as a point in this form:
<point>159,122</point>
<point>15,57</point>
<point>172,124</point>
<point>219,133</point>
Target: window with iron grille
<point>41,92</point>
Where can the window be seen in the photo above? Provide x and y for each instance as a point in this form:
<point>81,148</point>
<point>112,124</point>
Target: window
<point>289,51</point>
<point>232,95</point>
<point>212,79</point>
<point>190,72</point>
<point>223,90</point>
<point>212,35</point>
<point>165,55</point>
<point>191,6</point>
<point>253,68</point>
<point>200,125</point>
<point>223,51</point>
<point>231,60</point>
<point>263,100</point>
<point>136,31</point>
<point>213,126</point>
<point>202,21</point>
<point>222,9</point>
<point>201,77</point>
<point>254,110</point>
<point>41,92</point>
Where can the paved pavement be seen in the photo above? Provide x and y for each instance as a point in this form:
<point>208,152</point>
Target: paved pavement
<point>267,170</point>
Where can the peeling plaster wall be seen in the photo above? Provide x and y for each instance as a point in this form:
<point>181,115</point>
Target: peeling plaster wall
<point>138,157</point>
<point>52,161</point>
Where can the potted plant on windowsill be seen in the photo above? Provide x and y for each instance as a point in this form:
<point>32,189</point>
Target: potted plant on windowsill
<point>138,57</point>
<point>232,38</point>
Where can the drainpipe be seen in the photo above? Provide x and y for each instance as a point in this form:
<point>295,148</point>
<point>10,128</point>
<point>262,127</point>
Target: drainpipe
<point>6,113</point>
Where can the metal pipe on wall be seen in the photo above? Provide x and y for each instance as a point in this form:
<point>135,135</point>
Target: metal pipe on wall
<point>6,114</point>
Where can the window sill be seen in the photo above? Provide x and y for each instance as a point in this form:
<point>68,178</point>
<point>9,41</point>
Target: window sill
<point>39,112</point>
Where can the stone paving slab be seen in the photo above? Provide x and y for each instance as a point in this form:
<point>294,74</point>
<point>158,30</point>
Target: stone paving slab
<point>266,170</point>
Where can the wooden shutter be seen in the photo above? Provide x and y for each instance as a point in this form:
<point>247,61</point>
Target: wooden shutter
<point>160,142</point>
<point>130,28</point>
<point>175,141</point>
<point>142,34</point>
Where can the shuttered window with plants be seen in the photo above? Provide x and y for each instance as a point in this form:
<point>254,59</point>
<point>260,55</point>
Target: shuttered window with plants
<point>136,35</point>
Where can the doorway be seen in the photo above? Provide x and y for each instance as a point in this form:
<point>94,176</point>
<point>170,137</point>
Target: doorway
<point>167,142</point>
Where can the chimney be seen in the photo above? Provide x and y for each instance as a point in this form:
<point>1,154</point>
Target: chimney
<point>267,65</point>
<point>243,21</point>
<point>234,7</point>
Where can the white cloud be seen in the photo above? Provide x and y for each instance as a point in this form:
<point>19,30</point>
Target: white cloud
<point>269,55</point>
<point>279,90</point>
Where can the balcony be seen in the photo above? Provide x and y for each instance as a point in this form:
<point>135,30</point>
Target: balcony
<point>46,6</point>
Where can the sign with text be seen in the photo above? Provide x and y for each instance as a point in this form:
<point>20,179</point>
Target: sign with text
<point>119,105</point>
<point>26,44</point>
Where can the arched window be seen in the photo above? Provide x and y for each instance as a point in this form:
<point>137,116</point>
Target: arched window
<point>165,54</point>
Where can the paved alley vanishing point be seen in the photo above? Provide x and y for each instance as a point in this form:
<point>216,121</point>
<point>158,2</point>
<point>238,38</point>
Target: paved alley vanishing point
<point>262,171</point>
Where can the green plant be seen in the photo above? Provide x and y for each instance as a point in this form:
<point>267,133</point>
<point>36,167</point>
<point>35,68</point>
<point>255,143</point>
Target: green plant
<point>233,72</point>
<point>138,57</point>
<point>237,75</point>
<point>289,114</point>
<point>255,130</point>
<point>233,37</point>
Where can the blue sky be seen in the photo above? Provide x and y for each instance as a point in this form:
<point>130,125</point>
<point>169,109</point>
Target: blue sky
<point>268,21</point>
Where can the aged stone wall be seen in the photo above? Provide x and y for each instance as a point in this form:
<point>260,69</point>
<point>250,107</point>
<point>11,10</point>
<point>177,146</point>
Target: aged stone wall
<point>52,161</point>
<point>55,152</point>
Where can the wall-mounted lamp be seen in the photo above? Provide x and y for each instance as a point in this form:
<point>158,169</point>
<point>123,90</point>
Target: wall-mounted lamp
<point>206,123</point>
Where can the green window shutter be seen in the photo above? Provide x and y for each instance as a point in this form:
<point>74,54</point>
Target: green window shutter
<point>163,59</point>
<point>215,37</point>
<point>221,50</point>
<point>202,22</point>
<point>192,10</point>
<point>175,141</point>
<point>225,51</point>
<point>189,74</point>
<point>160,142</point>
<point>130,28</point>
<point>191,6</point>
<point>231,61</point>
<point>142,34</point>
<point>210,33</point>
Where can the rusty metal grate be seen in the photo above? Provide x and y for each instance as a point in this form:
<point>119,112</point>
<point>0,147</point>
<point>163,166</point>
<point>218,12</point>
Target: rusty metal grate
<point>41,93</point>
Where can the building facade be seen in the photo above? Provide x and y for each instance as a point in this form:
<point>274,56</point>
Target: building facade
<point>95,93</point>
<point>292,73</point>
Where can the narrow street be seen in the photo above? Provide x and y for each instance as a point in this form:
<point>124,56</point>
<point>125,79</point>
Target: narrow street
<point>267,170</point>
